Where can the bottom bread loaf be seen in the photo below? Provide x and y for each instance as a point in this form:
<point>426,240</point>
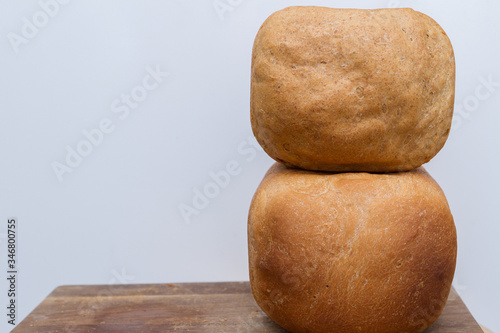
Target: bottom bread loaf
<point>351,252</point>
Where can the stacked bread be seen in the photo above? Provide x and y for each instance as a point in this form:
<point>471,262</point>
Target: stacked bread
<point>347,232</point>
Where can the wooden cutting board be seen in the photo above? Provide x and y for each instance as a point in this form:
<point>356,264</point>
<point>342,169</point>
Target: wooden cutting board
<point>186,307</point>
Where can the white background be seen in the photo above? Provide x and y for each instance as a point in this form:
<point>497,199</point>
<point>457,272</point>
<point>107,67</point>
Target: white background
<point>116,218</point>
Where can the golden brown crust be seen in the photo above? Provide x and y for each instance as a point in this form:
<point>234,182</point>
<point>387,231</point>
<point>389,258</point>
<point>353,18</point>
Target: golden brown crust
<point>351,252</point>
<point>351,89</point>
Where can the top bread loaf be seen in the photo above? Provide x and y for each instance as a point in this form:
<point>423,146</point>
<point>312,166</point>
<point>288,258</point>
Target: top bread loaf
<point>351,89</point>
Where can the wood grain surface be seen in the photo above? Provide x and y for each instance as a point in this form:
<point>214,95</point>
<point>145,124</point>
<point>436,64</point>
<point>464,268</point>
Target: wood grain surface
<point>186,307</point>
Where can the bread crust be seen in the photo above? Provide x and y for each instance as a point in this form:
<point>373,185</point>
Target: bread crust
<point>351,89</point>
<point>351,252</point>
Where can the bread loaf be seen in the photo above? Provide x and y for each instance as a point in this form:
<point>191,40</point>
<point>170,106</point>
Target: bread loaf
<point>352,90</point>
<point>351,252</point>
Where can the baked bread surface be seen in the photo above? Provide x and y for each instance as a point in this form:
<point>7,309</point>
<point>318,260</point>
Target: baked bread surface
<point>351,89</point>
<point>351,252</point>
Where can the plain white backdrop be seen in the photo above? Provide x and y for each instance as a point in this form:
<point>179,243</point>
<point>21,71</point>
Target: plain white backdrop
<point>166,83</point>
